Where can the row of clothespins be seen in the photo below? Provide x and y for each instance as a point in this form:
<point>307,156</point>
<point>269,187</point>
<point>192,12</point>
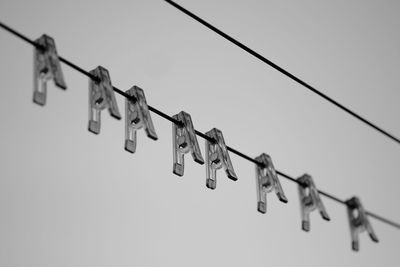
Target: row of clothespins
<point>137,116</point>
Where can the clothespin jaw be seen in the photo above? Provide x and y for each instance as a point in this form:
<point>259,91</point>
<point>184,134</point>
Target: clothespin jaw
<point>266,181</point>
<point>309,201</point>
<point>183,141</point>
<point>137,116</point>
<point>359,222</point>
<point>46,66</point>
<point>101,96</point>
<point>217,157</point>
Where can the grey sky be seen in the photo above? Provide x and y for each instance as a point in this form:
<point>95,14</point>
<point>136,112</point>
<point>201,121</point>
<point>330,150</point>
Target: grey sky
<point>70,198</point>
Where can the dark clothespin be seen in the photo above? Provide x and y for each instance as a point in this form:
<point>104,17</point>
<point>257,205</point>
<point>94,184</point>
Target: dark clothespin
<point>309,201</point>
<point>217,157</point>
<point>101,96</point>
<point>184,141</point>
<point>137,117</point>
<point>359,222</point>
<point>267,180</point>
<point>46,67</point>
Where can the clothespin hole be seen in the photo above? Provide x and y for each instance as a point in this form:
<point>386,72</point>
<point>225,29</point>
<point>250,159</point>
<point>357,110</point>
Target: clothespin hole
<point>356,213</point>
<point>182,142</point>
<point>135,118</point>
<point>44,70</point>
<point>307,191</point>
<point>266,182</point>
<point>215,159</point>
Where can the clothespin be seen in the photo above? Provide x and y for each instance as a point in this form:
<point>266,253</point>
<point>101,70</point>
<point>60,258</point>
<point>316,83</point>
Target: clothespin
<point>184,140</point>
<point>309,201</point>
<point>137,117</point>
<point>217,157</point>
<point>359,222</point>
<point>267,180</point>
<point>46,67</point>
<point>101,96</point>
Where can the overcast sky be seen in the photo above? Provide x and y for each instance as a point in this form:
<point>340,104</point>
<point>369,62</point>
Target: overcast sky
<point>71,198</point>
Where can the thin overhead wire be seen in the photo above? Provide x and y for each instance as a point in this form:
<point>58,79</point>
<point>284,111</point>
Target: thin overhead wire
<point>202,135</point>
<point>284,72</point>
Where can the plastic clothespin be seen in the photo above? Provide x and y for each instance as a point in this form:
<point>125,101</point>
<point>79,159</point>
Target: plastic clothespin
<point>359,222</point>
<point>217,157</point>
<point>309,201</point>
<point>46,66</point>
<point>267,180</point>
<point>101,96</point>
<point>183,141</point>
<point>137,117</point>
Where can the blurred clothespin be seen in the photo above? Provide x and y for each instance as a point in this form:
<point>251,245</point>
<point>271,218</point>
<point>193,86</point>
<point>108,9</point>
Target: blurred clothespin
<point>359,222</point>
<point>217,157</point>
<point>309,201</point>
<point>267,180</point>
<point>101,96</point>
<point>183,141</point>
<point>137,117</point>
<point>46,66</point>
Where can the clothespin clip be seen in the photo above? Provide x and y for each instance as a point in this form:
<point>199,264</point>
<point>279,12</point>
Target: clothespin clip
<point>217,157</point>
<point>267,180</point>
<point>359,222</point>
<point>137,117</point>
<point>46,67</point>
<point>309,201</point>
<point>101,96</point>
<point>184,140</point>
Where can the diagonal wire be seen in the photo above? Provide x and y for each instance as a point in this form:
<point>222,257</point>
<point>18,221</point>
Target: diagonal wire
<point>284,72</point>
<point>202,135</point>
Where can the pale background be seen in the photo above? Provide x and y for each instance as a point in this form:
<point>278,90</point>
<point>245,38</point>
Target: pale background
<point>70,198</point>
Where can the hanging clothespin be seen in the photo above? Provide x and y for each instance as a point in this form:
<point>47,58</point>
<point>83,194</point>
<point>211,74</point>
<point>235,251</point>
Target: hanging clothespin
<point>217,157</point>
<point>46,67</point>
<point>267,180</point>
<point>359,222</point>
<point>137,117</point>
<point>183,141</point>
<point>309,201</point>
<point>101,96</point>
